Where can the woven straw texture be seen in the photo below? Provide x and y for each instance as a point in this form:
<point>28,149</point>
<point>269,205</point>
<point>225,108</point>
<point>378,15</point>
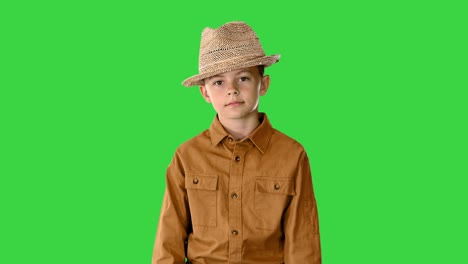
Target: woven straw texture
<point>230,47</point>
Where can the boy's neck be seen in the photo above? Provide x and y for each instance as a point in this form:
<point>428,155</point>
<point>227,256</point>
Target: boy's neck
<point>242,127</point>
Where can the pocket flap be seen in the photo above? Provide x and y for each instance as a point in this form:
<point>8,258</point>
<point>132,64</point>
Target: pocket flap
<point>201,181</point>
<point>275,185</point>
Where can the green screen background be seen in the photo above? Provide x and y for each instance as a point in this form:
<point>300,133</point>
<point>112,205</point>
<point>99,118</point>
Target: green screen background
<point>92,110</point>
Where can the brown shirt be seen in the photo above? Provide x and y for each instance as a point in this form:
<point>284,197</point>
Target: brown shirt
<point>248,201</point>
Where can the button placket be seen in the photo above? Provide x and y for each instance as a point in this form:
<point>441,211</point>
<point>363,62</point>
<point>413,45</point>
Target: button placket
<point>236,174</point>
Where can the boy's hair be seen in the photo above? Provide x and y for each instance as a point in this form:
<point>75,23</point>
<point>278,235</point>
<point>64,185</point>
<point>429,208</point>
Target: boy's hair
<point>261,71</point>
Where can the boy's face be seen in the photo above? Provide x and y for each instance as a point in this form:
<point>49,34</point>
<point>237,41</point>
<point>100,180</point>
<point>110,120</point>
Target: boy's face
<point>235,94</point>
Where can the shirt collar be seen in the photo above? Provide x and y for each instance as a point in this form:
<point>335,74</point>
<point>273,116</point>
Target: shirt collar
<point>260,137</point>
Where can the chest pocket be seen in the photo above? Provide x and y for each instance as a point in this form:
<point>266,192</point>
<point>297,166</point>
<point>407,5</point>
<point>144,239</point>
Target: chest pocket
<point>202,198</point>
<point>272,196</point>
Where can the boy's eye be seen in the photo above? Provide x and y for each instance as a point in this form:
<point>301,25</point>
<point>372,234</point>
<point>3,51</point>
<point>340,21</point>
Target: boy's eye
<point>243,79</point>
<point>218,83</point>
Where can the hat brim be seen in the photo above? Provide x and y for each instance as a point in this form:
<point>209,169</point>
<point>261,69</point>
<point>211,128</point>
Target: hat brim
<point>197,79</point>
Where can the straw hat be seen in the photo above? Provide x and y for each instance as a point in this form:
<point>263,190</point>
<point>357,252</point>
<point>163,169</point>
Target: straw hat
<point>230,47</point>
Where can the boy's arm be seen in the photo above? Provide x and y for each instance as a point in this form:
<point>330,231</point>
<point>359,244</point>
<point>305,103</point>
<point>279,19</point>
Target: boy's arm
<point>302,239</point>
<point>169,247</point>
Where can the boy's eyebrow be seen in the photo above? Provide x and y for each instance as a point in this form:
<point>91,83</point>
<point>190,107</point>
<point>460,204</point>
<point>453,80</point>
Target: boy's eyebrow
<point>214,76</point>
<point>243,71</point>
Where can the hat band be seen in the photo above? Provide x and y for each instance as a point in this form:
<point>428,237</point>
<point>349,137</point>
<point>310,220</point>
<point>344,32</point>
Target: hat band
<point>227,63</point>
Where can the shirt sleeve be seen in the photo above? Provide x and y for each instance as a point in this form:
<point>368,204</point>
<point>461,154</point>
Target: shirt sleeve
<point>169,247</point>
<point>302,239</point>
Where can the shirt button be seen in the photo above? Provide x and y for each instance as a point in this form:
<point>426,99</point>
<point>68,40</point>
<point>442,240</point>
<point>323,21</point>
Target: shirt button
<point>230,139</point>
<point>235,232</point>
<point>234,195</point>
<point>238,158</point>
<point>196,181</point>
<point>277,186</point>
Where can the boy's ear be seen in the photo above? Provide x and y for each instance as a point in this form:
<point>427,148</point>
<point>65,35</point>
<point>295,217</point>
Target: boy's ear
<point>205,94</point>
<point>265,84</point>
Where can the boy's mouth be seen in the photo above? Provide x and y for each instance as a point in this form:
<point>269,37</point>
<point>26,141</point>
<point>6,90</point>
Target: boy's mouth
<point>234,103</point>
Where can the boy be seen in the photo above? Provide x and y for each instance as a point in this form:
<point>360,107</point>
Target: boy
<point>241,191</point>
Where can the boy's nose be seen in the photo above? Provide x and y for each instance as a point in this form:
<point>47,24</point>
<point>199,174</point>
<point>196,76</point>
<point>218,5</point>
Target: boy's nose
<point>232,89</point>
<point>233,92</point>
